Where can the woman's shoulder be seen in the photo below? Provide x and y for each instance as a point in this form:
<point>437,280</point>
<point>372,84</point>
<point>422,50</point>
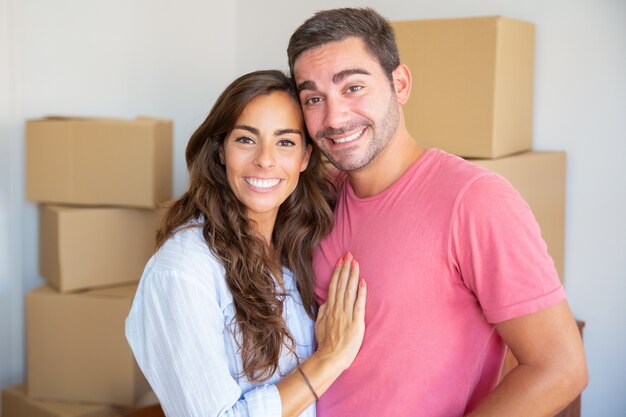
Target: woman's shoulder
<point>186,252</point>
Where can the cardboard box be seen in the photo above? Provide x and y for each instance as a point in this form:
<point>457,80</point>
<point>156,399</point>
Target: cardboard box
<point>472,88</point>
<point>15,403</point>
<point>77,349</point>
<point>81,247</point>
<point>92,161</point>
<point>540,179</point>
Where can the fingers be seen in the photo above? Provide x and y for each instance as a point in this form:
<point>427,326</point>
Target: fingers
<point>340,324</point>
<point>351,287</point>
<point>321,311</point>
<point>359,306</point>
<point>343,288</point>
<point>332,288</point>
<point>342,280</point>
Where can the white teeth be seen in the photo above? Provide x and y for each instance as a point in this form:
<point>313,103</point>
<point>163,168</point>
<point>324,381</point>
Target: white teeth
<point>349,138</point>
<point>261,183</point>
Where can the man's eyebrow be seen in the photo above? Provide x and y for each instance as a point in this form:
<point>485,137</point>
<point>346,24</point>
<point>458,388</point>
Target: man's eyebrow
<point>306,85</point>
<point>280,132</point>
<point>342,75</point>
<point>248,128</point>
<point>337,78</point>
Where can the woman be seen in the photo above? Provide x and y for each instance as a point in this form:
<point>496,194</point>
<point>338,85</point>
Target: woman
<point>222,323</point>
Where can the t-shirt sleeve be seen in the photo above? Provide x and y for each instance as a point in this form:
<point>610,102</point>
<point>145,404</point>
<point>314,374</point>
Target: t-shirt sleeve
<point>497,247</point>
<point>176,331</point>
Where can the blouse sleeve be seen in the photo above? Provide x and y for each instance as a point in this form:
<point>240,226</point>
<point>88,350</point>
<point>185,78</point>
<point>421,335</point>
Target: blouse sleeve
<point>176,332</point>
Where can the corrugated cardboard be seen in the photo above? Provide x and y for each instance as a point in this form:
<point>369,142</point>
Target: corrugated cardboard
<point>77,350</point>
<point>15,403</point>
<point>540,179</point>
<point>82,247</point>
<point>472,84</point>
<point>92,161</point>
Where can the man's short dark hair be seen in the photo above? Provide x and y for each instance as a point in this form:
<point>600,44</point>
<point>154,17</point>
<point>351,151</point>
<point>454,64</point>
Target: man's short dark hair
<point>339,24</point>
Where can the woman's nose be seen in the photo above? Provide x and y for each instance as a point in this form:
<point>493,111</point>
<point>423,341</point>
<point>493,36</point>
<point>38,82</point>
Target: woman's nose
<point>265,157</point>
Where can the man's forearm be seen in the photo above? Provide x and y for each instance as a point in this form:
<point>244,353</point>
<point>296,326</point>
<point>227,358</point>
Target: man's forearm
<point>552,369</point>
<point>529,392</point>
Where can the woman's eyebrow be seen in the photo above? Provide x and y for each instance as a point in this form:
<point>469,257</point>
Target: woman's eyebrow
<point>248,128</point>
<point>280,132</point>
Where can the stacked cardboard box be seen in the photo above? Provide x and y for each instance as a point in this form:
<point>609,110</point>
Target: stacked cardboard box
<point>472,96</point>
<point>15,403</point>
<point>99,183</point>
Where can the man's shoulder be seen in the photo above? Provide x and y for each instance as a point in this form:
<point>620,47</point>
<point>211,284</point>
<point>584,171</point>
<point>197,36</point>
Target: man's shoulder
<point>453,164</point>
<point>446,172</point>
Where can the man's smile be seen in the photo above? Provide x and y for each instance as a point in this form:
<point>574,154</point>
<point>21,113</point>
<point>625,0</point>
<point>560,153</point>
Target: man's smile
<point>349,138</point>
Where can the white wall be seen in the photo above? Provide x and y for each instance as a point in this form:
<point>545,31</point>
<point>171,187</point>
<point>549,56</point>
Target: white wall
<point>10,196</point>
<point>580,107</point>
<point>171,59</point>
<point>104,58</point>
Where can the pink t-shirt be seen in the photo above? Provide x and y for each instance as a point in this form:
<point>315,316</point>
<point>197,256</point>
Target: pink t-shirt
<point>449,249</point>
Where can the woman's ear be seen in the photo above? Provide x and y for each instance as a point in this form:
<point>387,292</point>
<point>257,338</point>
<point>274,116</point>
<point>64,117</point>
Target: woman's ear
<point>402,83</point>
<point>307,157</point>
<point>221,154</point>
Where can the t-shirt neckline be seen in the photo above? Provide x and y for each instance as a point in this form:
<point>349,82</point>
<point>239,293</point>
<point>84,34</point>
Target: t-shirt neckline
<point>406,175</point>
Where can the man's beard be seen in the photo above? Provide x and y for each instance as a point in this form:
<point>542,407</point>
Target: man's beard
<point>381,137</point>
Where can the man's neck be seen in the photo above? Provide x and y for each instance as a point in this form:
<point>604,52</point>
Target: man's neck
<point>387,167</point>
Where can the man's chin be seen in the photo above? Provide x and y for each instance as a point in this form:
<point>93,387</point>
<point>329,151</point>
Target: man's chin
<point>348,166</point>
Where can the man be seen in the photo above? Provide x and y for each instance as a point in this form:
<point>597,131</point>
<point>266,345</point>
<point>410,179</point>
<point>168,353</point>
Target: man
<point>454,261</point>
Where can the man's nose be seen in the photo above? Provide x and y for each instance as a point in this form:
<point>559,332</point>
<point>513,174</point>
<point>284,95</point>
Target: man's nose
<point>337,114</point>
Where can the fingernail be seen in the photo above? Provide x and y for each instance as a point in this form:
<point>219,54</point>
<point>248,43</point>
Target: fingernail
<point>340,262</point>
<point>348,256</point>
<point>362,283</point>
<point>354,263</point>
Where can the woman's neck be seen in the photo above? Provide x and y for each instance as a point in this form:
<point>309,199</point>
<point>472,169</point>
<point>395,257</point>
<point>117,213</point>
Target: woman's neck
<point>263,225</point>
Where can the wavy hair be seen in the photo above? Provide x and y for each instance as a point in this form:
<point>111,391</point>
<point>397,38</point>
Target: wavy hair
<point>302,221</point>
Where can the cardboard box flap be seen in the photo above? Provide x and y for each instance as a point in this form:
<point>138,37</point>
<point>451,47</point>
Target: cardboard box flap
<point>98,119</point>
<point>121,292</point>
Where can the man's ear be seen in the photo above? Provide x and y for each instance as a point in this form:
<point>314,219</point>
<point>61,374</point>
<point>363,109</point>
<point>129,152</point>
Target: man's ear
<point>307,158</point>
<point>402,83</point>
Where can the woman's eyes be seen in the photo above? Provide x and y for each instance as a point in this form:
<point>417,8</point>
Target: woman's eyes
<point>244,139</point>
<point>249,141</point>
<point>286,142</point>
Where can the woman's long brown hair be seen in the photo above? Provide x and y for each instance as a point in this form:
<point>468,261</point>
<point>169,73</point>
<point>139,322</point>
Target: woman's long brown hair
<point>303,220</point>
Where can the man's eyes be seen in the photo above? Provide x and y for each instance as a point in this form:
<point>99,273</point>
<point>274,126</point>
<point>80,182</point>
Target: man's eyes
<point>316,99</point>
<point>312,100</point>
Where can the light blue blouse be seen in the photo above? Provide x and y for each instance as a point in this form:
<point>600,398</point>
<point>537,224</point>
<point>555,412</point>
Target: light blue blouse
<point>179,331</point>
